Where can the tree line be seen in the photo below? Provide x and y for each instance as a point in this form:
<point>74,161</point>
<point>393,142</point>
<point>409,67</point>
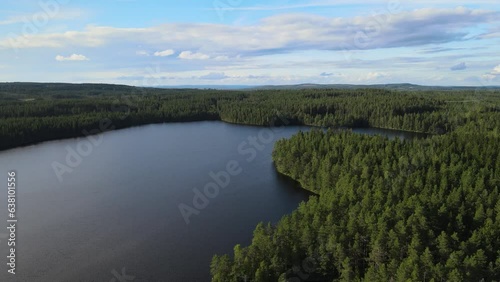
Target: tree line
<point>33,112</point>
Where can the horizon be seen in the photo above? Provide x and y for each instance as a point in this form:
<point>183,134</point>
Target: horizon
<point>242,86</point>
<point>259,43</point>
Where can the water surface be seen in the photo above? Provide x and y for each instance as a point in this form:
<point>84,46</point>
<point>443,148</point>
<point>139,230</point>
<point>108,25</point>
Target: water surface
<point>119,208</point>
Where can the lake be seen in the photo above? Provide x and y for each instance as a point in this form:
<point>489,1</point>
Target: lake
<point>149,203</point>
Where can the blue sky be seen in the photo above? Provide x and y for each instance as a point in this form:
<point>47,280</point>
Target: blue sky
<point>243,42</point>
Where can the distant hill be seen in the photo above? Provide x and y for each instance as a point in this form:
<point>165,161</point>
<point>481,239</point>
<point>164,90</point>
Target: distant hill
<point>217,87</point>
<point>400,86</point>
<point>96,88</point>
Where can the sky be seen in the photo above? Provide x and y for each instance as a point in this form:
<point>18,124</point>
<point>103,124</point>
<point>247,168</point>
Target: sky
<point>243,42</point>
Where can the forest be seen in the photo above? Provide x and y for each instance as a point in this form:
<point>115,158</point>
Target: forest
<point>33,112</point>
<point>387,210</point>
<point>383,209</point>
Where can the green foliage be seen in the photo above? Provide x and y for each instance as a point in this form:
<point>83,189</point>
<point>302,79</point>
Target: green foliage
<point>385,210</point>
<point>389,210</point>
<point>34,112</point>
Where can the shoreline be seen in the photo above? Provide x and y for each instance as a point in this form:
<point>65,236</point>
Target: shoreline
<point>83,135</point>
<point>300,184</point>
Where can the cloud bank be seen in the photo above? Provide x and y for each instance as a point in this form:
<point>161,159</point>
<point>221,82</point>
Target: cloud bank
<point>278,34</point>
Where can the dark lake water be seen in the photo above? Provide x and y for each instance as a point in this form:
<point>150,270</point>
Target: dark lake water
<point>118,208</point>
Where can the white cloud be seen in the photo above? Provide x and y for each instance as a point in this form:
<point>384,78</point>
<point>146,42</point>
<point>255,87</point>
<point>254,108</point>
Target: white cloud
<point>496,70</point>
<point>493,75</point>
<point>142,53</point>
<point>188,55</point>
<point>489,77</point>
<point>283,47</point>
<point>165,53</point>
<point>73,57</point>
<point>280,34</point>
